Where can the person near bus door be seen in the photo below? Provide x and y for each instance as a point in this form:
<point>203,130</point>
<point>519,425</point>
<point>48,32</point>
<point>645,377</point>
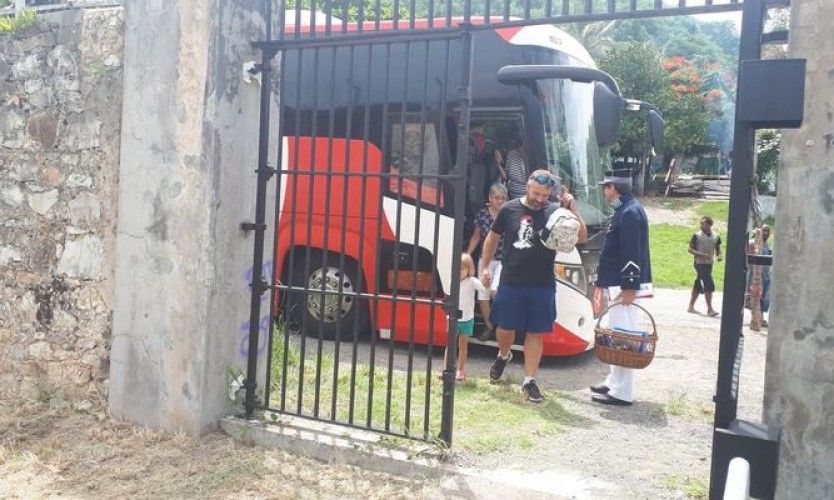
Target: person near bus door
<point>623,266</point>
<point>526,296</point>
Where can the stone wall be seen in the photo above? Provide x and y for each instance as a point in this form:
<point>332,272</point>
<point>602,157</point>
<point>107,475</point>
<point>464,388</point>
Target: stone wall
<point>60,117</point>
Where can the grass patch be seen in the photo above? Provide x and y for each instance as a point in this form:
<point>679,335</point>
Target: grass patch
<point>24,20</point>
<point>671,263</point>
<point>487,417</point>
<point>675,204</point>
<point>679,405</point>
<point>692,487</point>
<point>717,210</point>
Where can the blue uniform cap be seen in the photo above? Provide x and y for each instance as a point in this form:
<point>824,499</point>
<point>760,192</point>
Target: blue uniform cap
<point>618,177</point>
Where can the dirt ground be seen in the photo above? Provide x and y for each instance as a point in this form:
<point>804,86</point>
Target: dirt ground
<point>658,448</point>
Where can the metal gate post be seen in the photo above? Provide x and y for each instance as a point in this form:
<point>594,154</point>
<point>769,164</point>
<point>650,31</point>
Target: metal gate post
<point>732,317</point>
<point>461,162</point>
<point>258,286</point>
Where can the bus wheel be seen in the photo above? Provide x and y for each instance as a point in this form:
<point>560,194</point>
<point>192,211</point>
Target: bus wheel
<point>335,315</point>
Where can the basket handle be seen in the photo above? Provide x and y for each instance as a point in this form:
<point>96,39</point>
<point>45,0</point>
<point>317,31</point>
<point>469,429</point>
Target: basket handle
<point>619,303</point>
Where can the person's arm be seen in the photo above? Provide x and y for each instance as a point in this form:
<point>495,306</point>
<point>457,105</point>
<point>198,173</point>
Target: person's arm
<point>499,162</point>
<point>474,240</point>
<point>569,202</point>
<point>693,245</point>
<point>631,231</point>
<point>487,252</point>
<point>718,248</point>
<point>478,285</point>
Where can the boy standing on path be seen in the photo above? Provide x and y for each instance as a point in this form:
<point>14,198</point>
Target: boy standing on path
<point>704,245</point>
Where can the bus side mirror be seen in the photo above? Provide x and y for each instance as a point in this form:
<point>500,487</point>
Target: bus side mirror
<point>608,109</point>
<point>656,126</point>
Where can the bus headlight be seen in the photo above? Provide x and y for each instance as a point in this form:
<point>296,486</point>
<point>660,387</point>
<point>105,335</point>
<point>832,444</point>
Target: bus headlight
<point>571,274</point>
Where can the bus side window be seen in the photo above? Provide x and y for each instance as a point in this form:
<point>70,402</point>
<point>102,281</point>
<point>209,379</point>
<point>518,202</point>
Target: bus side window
<point>406,158</point>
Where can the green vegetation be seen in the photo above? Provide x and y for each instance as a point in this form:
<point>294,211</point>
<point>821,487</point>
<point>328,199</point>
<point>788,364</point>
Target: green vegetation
<point>671,263</point>
<point>486,417</point>
<point>13,24</point>
<point>668,243</point>
<point>692,487</point>
<point>717,210</point>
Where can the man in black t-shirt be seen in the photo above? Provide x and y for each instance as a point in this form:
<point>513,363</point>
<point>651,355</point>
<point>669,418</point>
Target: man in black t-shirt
<point>526,297</point>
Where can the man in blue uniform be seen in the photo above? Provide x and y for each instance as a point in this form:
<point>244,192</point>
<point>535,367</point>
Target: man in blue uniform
<point>623,266</point>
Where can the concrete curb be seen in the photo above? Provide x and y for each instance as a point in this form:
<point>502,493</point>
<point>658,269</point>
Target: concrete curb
<point>339,444</point>
<point>372,451</point>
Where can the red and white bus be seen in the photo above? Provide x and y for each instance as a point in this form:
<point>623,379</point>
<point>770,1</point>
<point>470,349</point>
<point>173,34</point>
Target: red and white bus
<point>367,219</point>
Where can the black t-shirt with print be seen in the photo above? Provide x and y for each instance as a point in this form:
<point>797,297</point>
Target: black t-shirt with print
<point>525,261</point>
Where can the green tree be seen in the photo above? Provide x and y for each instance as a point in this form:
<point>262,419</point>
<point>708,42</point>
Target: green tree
<point>639,69</point>
<point>768,145</point>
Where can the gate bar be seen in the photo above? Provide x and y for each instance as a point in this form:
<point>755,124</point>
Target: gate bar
<point>366,135</point>
<point>442,112</point>
<point>726,399</point>
<point>457,244</point>
<point>257,286</point>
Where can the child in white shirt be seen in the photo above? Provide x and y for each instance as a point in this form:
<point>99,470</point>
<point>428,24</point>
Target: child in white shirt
<point>469,286</point>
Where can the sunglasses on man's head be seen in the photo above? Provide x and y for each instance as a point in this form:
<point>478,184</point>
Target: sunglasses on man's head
<point>544,180</point>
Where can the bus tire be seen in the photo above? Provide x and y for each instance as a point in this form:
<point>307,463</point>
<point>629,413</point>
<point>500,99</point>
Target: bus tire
<point>310,311</point>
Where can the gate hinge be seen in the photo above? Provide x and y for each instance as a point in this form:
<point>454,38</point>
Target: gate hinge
<point>260,286</point>
<point>266,170</point>
<point>251,226</point>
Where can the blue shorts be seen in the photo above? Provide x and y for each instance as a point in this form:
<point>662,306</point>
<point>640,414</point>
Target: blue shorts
<point>528,309</point>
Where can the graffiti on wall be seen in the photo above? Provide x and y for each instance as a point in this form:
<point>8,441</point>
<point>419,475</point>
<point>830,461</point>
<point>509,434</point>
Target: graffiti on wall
<point>265,321</point>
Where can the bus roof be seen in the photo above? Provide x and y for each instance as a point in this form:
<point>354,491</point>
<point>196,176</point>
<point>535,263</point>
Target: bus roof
<point>547,36</point>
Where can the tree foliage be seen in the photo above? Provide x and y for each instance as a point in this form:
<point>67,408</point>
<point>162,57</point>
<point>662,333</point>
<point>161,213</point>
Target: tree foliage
<point>684,66</point>
<point>768,147</point>
<point>670,85</point>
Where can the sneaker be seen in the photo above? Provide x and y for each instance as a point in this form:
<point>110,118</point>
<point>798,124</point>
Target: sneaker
<point>531,389</point>
<point>459,376</point>
<point>497,368</point>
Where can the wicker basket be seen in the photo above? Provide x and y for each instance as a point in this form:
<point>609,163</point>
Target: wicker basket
<point>624,349</point>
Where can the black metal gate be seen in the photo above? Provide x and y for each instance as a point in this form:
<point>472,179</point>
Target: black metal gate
<point>368,192</point>
<point>358,103</point>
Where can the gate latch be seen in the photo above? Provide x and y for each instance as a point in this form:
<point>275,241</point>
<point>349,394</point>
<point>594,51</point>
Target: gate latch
<point>251,226</point>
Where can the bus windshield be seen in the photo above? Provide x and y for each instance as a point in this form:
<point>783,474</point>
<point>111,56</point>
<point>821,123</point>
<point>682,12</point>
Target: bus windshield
<point>565,110</point>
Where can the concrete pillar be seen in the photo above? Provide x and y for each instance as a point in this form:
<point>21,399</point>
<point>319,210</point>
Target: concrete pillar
<point>188,152</point>
<point>799,381</point>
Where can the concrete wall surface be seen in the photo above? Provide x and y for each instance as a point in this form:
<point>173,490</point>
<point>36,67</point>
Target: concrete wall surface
<point>799,382</point>
<point>60,120</point>
<point>189,149</point>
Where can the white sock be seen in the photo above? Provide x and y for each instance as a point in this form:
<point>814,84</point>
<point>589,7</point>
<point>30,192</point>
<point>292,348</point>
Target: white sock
<point>527,379</point>
<point>505,358</point>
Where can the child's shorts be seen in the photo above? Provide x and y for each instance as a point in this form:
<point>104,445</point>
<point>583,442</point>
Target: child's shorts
<point>465,328</point>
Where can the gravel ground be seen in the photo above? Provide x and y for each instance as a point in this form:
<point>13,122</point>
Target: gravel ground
<point>657,448</point>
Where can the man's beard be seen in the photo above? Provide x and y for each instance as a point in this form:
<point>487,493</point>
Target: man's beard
<point>533,205</point>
